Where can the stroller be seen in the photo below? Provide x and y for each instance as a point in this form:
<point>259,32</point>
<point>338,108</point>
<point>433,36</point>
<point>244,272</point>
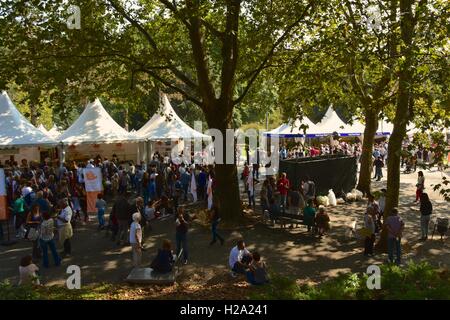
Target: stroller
<point>441,226</point>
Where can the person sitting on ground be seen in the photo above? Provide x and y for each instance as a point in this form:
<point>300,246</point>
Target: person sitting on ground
<point>239,258</point>
<point>163,262</point>
<point>309,215</point>
<point>257,273</point>
<point>322,221</point>
<point>28,271</point>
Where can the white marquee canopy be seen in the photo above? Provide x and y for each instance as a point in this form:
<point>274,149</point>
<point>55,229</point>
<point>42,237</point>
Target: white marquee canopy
<point>16,130</point>
<point>166,124</point>
<point>95,126</point>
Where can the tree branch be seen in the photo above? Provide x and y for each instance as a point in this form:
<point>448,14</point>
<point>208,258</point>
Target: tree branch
<point>271,52</point>
<point>230,50</point>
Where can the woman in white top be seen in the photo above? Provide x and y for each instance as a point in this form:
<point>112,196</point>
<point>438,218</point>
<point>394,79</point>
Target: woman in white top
<point>420,185</point>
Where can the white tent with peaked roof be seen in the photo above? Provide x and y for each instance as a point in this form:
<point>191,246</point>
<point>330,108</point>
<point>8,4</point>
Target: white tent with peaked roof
<point>95,126</point>
<point>330,123</point>
<point>54,132</point>
<point>43,129</point>
<point>16,130</point>
<point>166,124</point>
<point>287,130</point>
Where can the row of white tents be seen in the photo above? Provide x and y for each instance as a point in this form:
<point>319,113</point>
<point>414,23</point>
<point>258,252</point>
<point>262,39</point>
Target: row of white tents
<point>330,124</point>
<point>94,126</point>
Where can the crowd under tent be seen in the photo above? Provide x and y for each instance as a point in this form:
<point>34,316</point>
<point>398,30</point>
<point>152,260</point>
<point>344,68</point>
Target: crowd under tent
<point>167,132</point>
<point>96,133</point>
<point>19,139</point>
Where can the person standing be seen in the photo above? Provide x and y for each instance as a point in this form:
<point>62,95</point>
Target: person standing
<point>34,220</point>
<point>309,188</point>
<point>283,188</point>
<point>201,184</point>
<point>378,164</point>
<point>136,239</point>
<point>100,204</point>
<point>121,209</point>
<point>181,231</point>
<point>369,225</point>
<point>420,185</point>
<point>46,240</point>
<point>426,209</point>
<point>215,219</point>
<point>64,226</point>
<point>395,226</point>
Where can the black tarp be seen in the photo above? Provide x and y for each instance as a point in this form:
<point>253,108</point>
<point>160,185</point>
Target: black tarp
<point>335,172</point>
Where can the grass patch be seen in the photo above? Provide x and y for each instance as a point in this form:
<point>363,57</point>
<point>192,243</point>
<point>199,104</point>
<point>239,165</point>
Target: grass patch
<point>418,281</point>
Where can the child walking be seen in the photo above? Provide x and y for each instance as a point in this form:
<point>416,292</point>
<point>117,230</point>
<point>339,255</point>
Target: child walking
<point>100,204</point>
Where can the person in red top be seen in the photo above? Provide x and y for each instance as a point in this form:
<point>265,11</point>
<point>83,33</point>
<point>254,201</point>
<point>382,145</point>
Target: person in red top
<point>283,188</point>
<point>245,174</point>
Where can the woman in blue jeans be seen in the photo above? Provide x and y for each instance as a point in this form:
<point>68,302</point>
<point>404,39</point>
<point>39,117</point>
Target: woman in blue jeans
<point>46,240</point>
<point>181,234</point>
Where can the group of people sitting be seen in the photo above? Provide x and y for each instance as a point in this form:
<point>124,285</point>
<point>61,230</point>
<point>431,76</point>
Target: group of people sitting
<point>250,264</point>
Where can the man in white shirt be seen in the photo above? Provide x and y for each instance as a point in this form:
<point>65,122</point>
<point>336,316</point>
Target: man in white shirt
<point>239,258</point>
<point>64,226</point>
<point>136,239</point>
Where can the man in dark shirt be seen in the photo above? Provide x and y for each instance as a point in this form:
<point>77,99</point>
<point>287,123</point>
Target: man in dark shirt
<point>379,164</point>
<point>121,209</point>
<point>201,187</point>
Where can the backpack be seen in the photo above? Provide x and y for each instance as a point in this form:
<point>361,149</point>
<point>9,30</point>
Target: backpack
<point>311,189</point>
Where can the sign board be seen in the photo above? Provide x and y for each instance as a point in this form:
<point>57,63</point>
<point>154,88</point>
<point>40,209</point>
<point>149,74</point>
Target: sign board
<point>93,179</point>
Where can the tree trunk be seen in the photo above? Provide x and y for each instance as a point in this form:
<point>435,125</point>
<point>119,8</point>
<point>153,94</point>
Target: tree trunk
<point>365,172</point>
<point>403,114</point>
<point>227,193</point>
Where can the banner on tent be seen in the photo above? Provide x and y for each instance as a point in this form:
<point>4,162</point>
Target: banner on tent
<point>93,185</point>
<point>3,199</point>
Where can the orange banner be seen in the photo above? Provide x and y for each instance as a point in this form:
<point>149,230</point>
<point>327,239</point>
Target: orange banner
<point>91,198</point>
<point>3,208</point>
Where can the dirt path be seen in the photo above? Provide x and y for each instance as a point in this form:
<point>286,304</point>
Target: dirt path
<point>289,252</point>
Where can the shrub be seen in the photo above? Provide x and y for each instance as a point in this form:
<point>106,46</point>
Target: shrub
<point>416,281</point>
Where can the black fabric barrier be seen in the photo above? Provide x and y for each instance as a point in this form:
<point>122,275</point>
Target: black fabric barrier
<point>328,172</point>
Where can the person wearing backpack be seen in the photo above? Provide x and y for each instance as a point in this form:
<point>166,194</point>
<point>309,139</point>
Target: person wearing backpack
<point>309,189</point>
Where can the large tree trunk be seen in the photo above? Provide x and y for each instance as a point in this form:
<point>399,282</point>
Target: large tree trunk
<point>226,194</point>
<point>365,172</point>
<point>403,114</point>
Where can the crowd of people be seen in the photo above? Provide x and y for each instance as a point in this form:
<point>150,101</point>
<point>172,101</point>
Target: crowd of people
<point>47,201</point>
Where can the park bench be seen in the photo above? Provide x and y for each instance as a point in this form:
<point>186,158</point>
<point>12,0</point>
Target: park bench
<point>149,276</point>
<point>285,219</point>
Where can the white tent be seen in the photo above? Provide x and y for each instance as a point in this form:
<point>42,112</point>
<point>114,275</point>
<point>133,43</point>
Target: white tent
<point>16,130</point>
<point>95,126</point>
<point>287,130</point>
<point>330,123</point>
<point>42,128</point>
<point>54,132</point>
<point>166,124</point>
